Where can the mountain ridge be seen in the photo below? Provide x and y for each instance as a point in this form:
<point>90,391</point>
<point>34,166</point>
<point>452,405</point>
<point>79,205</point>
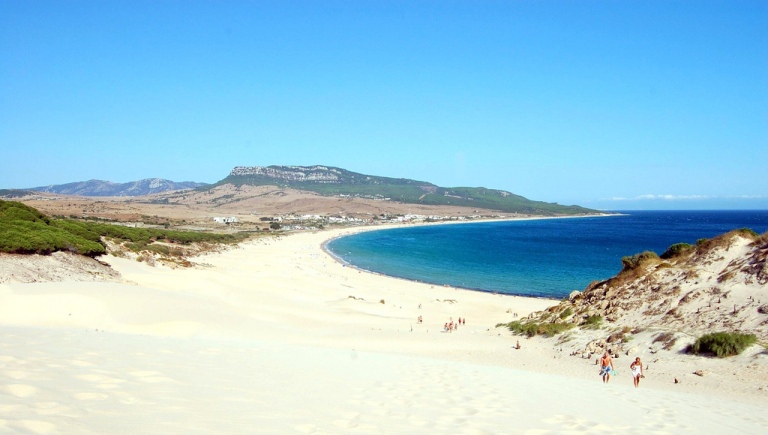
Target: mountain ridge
<point>329,181</point>
<point>333,181</point>
<point>94,187</point>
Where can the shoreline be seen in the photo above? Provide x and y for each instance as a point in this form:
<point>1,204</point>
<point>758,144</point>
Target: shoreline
<point>386,227</point>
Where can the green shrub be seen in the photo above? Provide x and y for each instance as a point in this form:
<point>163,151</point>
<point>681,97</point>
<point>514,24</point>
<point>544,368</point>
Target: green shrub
<point>520,328</point>
<point>676,250</point>
<point>531,329</point>
<point>552,329</point>
<point>36,237</point>
<point>747,232</point>
<point>722,344</point>
<point>13,210</point>
<point>634,261</point>
<point>76,228</point>
<point>593,321</point>
<point>159,249</point>
<point>24,230</point>
<point>568,311</point>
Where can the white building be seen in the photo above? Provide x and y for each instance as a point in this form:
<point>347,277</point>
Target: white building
<point>225,220</point>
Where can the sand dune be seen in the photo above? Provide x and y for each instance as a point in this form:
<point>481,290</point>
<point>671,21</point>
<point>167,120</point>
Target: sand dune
<point>277,337</point>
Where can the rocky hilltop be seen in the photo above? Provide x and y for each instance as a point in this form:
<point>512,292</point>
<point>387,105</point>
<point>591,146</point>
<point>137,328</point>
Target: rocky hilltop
<point>143,187</point>
<point>317,174</point>
<point>331,181</point>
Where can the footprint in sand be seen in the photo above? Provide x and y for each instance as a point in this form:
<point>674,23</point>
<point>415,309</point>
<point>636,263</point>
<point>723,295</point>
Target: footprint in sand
<point>38,427</point>
<point>463,411</point>
<point>451,421</point>
<point>90,396</point>
<point>94,377</point>
<point>577,424</point>
<point>10,409</point>
<point>150,377</point>
<point>21,390</point>
<point>50,408</point>
<point>16,374</point>
<point>142,373</point>
<point>103,382</point>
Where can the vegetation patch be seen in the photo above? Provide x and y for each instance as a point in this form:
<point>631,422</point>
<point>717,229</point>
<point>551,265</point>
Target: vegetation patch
<point>725,240</point>
<point>725,276</point>
<point>25,230</point>
<point>566,313</point>
<point>722,344</point>
<point>632,262</point>
<point>677,250</point>
<point>532,329</point>
<point>667,339</point>
<point>593,321</point>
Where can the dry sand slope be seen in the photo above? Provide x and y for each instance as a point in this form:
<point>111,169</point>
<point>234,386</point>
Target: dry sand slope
<point>266,339</point>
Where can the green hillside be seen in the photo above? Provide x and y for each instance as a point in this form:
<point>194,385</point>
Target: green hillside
<point>330,181</point>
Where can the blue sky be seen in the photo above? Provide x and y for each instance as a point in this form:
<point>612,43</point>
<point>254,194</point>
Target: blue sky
<point>606,104</point>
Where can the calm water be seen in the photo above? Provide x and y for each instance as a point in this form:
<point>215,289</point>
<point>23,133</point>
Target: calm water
<point>544,258</point>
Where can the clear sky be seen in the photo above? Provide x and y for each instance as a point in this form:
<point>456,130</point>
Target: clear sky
<point>605,104</point>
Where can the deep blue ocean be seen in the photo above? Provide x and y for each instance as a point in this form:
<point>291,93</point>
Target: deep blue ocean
<point>542,258</point>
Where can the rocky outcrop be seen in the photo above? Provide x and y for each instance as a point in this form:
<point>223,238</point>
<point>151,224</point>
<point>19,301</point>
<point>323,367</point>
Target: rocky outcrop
<point>718,285</point>
<point>319,174</point>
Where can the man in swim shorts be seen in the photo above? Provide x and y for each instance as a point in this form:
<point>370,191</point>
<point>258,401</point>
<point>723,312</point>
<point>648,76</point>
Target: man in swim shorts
<point>606,366</point>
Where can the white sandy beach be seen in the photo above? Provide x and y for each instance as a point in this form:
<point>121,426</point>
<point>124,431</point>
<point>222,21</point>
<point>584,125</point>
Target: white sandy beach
<point>277,337</point>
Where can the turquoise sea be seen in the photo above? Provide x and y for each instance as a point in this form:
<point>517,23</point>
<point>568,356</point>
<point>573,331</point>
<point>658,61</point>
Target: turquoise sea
<point>542,258</point>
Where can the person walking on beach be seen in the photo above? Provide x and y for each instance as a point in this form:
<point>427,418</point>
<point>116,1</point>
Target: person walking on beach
<point>637,371</point>
<point>606,366</point>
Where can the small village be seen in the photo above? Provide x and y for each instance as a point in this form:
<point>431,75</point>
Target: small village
<point>293,222</point>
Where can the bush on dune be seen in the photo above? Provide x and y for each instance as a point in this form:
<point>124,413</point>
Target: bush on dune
<point>16,211</point>
<point>24,230</point>
<point>677,250</point>
<point>725,240</point>
<point>722,344</point>
<point>26,237</point>
<point>593,321</point>
<point>531,329</point>
<point>635,261</point>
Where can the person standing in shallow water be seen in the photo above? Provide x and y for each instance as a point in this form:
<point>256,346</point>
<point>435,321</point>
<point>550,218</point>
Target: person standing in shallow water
<point>606,366</point>
<point>637,371</point>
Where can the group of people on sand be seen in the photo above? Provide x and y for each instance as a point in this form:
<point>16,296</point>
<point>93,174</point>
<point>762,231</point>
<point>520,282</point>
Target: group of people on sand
<point>450,326</point>
<point>606,368</point>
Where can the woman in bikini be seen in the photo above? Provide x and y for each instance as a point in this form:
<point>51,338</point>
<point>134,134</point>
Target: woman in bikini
<point>637,371</point>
